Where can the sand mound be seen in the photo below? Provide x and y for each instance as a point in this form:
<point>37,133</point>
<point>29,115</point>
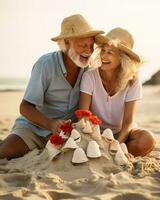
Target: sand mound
<point>36,177</point>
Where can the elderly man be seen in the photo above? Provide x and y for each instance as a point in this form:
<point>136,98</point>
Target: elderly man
<point>52,94</point>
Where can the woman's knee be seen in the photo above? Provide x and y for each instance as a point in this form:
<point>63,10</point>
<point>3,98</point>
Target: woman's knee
<point>141,142</point>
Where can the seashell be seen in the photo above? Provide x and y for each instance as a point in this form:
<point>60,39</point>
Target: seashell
<point>114,147</point>
<point>93,150</point>
<point>120,158</point>
<point>75,135</point>
<point>52,150</point>
<point>63,135</point>
<point>70,144</point>
<point>80,124</point>
<point>96,132</point>
<point>79,156</point>
<point>108,135</point>
<point>124,148</point>
<point>87,128</point>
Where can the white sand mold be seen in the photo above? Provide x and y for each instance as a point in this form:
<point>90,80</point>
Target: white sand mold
<point>87,128</point>
<point>79,156</point>
<point>120,158</point>
<point>130,157</point>
<point>80,124</point>
<point>124,148</point>
<point>70,144</point>
<point>114,147</point>
<point>75,135</point>
<point>52,150</point>
<point>108,135</point>
<point>96,132</point>
<point>93,150</point>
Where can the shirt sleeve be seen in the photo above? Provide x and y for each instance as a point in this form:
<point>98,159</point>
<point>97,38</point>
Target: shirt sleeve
<point>37,85</point>
<point>134,91</point>
<point>87,84</point>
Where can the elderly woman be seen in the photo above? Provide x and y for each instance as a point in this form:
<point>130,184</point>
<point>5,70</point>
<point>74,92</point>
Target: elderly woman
<point>112,90</point>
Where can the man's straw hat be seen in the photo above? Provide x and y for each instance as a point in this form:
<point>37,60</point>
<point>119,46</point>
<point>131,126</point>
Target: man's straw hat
<point>75,26</point>
<point>121,39</point>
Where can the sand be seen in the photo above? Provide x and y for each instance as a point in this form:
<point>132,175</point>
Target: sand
<point>35,177</point>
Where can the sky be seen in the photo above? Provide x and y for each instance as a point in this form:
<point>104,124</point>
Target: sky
<point>26,27</point>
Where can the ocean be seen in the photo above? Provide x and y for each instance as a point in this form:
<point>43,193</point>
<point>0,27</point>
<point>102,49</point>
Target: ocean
<point>9,84</point>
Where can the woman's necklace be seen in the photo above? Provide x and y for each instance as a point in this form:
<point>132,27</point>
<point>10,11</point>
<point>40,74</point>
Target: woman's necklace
<point>110,88</point>
<point>109,85</point>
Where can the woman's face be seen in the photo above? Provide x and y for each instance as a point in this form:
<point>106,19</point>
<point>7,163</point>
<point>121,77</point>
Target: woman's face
<point>109,57</point>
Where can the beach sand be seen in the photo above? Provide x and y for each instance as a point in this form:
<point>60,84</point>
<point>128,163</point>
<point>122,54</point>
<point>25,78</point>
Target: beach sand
<point>35,177</point>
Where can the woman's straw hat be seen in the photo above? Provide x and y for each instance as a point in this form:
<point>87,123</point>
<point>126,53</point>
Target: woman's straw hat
<point>75,26</point>
<point>121,39</point>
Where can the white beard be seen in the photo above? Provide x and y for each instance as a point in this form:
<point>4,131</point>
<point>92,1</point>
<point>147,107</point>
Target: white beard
<point>76,58</point>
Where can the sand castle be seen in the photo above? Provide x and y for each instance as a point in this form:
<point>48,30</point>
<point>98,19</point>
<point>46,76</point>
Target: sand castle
<point>86,141</point>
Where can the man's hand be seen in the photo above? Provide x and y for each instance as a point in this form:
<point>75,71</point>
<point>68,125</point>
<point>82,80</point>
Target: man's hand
<point>56,123</point>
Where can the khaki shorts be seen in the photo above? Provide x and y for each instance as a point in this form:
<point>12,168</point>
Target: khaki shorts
<point>29,137</point>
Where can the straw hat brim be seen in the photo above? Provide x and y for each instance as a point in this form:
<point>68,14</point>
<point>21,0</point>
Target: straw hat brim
<point>79,35</point>
<point>100,39</point>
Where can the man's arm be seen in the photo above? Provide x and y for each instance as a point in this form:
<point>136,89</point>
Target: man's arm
<point>85,101</point>
<point>30,111</point>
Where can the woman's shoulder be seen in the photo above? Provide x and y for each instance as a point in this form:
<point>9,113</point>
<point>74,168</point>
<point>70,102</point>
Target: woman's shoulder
<point>91,71</point>
<point>135,81</point>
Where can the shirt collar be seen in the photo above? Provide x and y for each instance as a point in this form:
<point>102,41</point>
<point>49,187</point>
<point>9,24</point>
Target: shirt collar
<point>60,58</point>
<point>63,68</point>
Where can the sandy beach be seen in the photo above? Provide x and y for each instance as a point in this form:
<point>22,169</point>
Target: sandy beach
<point>35,177</point>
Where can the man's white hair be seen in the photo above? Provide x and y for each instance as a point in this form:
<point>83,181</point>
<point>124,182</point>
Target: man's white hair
<point>62,45</point>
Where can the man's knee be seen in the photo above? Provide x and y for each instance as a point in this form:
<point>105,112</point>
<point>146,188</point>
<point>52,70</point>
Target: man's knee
<point>12,147</point>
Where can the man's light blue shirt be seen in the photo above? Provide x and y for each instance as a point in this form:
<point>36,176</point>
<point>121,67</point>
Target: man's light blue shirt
<point>49,90</point>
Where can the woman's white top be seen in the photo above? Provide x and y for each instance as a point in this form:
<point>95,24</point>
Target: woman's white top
<point>109,109</point>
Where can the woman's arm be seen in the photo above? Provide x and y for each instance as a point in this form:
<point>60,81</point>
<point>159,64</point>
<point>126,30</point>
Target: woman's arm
<point>85,101</point>
<point>129,112</point>
<point>30,111</point>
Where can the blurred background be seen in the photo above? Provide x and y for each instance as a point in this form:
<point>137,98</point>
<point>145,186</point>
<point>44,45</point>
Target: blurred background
<point>26,27</point>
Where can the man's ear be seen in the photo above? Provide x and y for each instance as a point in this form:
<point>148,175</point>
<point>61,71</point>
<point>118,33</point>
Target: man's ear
<point>67,43</point>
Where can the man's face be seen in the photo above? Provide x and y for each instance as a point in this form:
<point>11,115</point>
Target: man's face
<point>80,50</point>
